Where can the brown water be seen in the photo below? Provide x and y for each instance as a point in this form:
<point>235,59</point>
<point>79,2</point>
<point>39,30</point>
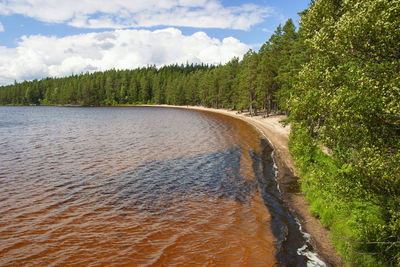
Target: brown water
<point>138,186</point>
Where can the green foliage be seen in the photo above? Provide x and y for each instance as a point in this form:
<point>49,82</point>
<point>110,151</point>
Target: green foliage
<point>144,85</point>
<point>355,224</point>
<point>346,98</point>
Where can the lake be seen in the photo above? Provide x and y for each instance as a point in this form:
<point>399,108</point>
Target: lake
<point>143,186</point>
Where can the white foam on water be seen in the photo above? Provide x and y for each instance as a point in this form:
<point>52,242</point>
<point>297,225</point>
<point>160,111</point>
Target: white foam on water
<point>313,259</point>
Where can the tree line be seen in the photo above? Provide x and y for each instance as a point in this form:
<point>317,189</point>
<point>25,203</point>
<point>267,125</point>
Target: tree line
<point>338,79</point>
<point>251,83</point>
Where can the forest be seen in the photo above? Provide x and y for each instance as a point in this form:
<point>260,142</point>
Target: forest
<point>337,78</point>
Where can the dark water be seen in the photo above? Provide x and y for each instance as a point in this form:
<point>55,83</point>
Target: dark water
<point>139,186</point>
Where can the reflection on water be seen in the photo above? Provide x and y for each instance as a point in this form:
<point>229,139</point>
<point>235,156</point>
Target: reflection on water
<point>138,186</point>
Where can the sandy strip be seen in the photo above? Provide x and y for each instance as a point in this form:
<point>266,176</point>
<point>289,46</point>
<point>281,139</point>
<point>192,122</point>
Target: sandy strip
<point>278,136</point>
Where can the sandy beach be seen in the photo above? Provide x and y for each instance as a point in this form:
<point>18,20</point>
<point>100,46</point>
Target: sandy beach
<point>278,136</point>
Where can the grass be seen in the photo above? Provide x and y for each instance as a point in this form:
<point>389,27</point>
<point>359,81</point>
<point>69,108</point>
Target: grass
<point>334,198</point>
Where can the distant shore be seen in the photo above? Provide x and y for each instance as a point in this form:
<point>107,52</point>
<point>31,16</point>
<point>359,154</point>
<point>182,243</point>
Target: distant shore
<point>278,137</point>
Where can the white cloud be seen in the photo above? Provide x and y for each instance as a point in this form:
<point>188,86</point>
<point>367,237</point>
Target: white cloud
<point>40,56</point>
<point>139,13</point>
<point>267,30</point>
<point>1,27</point>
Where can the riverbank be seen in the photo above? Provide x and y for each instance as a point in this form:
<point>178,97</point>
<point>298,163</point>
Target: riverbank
<point>278,136</point>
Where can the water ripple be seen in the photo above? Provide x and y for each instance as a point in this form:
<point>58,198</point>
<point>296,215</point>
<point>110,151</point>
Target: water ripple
<point>136,186</point>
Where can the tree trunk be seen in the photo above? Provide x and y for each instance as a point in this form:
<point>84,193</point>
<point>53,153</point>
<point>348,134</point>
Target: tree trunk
<point>251,105</point>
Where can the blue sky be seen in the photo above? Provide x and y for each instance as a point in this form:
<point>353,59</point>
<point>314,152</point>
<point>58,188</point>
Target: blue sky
<point>55,38</point>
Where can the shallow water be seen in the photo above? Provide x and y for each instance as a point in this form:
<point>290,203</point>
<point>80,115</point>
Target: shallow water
<point>138,186</point>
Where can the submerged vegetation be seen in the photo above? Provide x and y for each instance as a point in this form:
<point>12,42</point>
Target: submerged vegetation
<point>338,78</point>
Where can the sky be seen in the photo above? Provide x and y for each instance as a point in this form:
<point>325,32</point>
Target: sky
<point>55,38</point>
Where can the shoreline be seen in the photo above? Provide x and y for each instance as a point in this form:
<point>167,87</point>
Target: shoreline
<point>278,137</point>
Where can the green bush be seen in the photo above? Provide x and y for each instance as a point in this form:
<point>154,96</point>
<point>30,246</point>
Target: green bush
<point>358,227</point>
